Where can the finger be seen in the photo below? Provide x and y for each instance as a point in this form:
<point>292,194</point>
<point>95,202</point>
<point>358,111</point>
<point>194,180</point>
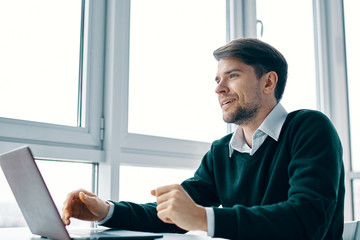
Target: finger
<point>162,206</point>
<point>164,189</point>
<point>66,213</point>
<point>153,192</point>
<point>88,193</point>
<point>175,195</point>
<point>95,205</point>
<point>70,205</point>
<point>164,198</point>
<point>90,202</point>
<point>65,216</point>
<point>83,197</point>
<point>70,198</point>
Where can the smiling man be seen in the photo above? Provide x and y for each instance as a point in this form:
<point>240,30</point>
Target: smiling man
<point>278,176</point>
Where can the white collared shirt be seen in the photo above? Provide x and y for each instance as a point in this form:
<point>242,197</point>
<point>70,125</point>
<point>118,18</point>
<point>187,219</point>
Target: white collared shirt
<point>271,127</point>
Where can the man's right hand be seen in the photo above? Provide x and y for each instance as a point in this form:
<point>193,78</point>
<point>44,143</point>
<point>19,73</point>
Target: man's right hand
<point>84,205</point>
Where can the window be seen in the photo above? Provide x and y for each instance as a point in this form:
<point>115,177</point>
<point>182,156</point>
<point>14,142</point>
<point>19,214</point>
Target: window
<point>51,92</point>
<point>286,28</point>
<point>356,200</point>
<point>172,92</point>
<point>51,85</point>
<point>175,130</point>
<point>40,60</point>
<point>159,110</point>
<point>137,189</point>
<point>351,9</point>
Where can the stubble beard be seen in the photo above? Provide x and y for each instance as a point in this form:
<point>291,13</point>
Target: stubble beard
<point>242,115</point>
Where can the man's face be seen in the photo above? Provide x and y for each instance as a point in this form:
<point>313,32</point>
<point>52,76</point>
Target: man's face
<point>238,91</point>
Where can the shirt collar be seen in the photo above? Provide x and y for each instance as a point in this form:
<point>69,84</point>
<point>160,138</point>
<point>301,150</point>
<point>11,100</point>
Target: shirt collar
<point>271,126</point>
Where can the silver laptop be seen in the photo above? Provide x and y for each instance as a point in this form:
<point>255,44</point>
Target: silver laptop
<point>37,205</point>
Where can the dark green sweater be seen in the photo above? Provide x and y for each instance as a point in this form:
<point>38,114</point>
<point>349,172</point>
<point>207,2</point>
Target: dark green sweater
<point>289,189</point>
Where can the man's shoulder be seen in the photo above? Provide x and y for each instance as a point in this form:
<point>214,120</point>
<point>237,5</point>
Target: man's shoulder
<point>307,115</point>
<point>310,123</point>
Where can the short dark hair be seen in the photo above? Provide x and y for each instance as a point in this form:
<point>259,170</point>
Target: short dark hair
<point>260,55</point>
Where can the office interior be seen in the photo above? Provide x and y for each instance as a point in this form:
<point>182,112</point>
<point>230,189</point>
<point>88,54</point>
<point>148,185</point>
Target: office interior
<point>117,96</point>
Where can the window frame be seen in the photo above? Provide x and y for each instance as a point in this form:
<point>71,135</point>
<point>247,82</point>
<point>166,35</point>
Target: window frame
<point>332,79</point>
<point>144,150</point>
<point>106,139</point>
<point>127,148</point>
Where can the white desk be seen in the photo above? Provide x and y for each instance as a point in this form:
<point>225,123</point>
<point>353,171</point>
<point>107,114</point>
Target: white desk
<point>25,234</point>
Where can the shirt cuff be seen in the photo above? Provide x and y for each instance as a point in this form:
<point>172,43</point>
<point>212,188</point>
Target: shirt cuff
<point>210,216</point>
<point>109,215</point>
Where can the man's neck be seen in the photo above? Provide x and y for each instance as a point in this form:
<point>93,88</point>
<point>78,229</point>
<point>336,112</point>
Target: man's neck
<point>251,126</point>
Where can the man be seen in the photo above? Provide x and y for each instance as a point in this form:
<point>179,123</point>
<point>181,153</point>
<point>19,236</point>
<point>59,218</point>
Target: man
<point>278,176</point>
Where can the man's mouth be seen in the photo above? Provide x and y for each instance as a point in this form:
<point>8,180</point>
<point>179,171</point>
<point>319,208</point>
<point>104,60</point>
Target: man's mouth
<point>226,102</point>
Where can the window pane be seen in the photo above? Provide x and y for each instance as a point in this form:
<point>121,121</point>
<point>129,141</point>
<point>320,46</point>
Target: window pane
<point>172,70</point>
<point>60,177</point>
<point>356,194</point>
<point>137,182</point>
<point>39,60</point>
<point>352,19</point>
<point>10,215</point>
<point>288,26</point>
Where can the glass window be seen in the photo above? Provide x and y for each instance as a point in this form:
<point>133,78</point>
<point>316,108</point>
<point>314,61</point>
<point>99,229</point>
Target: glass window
<point>356,200</point>
<point>136,182</point>
<point>172,70</point>
<point>352,18</point>
<point>39,60</point>
<point>10,215</point>
<point>60,177</point>
<point>291,32</point>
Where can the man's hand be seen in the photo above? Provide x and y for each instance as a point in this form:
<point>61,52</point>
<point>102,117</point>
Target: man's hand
<point>176,206</point>
<point>84,205</point>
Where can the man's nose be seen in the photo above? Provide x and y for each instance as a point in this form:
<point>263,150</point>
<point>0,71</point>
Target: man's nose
<point>221,88</point>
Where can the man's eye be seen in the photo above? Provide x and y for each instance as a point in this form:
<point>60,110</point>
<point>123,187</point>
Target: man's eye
<point>233,75</point>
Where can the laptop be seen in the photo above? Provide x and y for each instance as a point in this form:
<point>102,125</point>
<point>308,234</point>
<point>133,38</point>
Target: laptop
<point>38,207</point>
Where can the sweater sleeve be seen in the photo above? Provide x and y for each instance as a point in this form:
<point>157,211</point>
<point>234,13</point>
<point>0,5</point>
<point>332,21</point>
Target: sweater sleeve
<point>314,207</point>
<point>202,187</point>
<point>143,217</point>
<point>139,217</point>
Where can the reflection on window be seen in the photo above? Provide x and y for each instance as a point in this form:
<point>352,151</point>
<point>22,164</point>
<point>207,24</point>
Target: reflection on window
<point>352,19</point>
<point>137,182</point>
<point>60,177</point>
<point>172,70</point>
<point>291,32</point>
<point>39,60</point>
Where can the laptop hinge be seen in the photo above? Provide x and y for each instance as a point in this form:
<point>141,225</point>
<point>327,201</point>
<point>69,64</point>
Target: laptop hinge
<point>102,128</point>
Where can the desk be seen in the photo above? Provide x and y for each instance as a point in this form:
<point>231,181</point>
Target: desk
<point>25,234</point>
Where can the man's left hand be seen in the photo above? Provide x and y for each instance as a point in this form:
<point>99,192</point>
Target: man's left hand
<point>176,206</point>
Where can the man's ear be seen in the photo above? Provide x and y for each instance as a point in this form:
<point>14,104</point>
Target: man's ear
<point>271,79</point>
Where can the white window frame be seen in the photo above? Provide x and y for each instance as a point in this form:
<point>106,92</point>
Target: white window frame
<point>332,78</point>
<point>135,149</point>
<point>52,141</point>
